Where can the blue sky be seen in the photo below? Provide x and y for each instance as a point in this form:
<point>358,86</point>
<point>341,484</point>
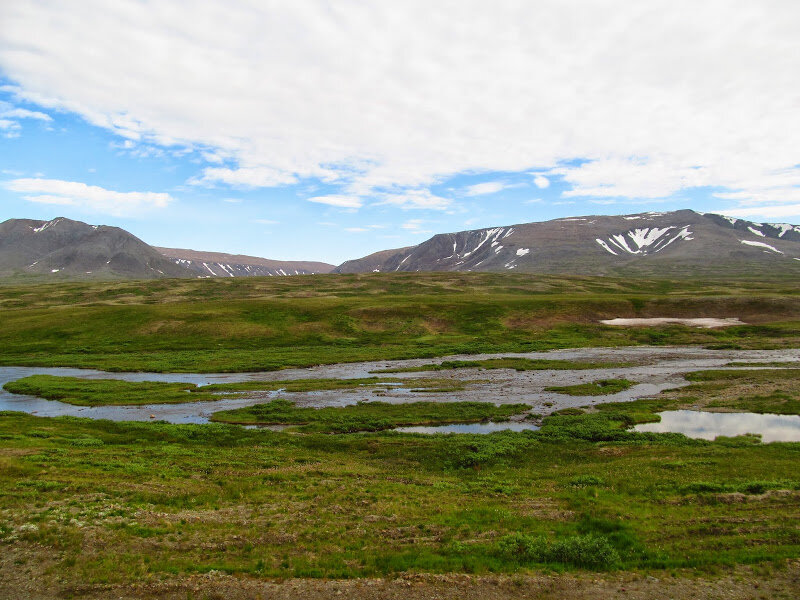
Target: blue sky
<point>319,133</point>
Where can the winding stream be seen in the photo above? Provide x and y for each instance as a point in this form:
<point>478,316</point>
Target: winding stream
<point>655,369</point>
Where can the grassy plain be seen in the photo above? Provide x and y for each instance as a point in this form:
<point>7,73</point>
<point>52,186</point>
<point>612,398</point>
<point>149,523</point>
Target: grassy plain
<point>268,323</point>
<point>95,503</point>
<point>103,502</point>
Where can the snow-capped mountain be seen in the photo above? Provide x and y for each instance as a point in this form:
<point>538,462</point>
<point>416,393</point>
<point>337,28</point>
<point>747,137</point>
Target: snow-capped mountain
<point>658,242</point>
<point>219,264</point>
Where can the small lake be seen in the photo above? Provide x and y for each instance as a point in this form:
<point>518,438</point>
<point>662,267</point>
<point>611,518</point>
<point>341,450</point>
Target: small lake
<point>708,425</point>
<point>489,427</point>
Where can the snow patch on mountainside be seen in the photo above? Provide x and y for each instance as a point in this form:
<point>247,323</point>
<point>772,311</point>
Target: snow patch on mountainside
<point>46,225</point>
<point>604,245</point>
<point>761,245</point>
<point>481,240</point>
<point>644,240</point>
<point>784,228</point>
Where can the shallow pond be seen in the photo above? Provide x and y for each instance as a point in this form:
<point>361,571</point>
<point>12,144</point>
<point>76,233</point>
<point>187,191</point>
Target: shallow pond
<point>489,427</point>
<point>708,425</point>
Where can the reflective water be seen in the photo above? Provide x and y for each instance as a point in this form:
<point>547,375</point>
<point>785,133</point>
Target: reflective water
<point>708,425</point>
<point>489,427</point>
<point>653,368</point>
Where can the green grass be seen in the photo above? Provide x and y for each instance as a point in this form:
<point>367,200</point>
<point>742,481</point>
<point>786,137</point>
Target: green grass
<point>601,387</point>
<point>762,391</point>
<point>367,416</point>
<point>518,364</point>
<point>252,324</point>
<point>97,502</point>
<point>105,392</point>
<point>112,392</point>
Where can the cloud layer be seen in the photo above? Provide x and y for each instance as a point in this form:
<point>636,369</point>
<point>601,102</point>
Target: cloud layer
<point>88,197</point>
<point>383,100</point>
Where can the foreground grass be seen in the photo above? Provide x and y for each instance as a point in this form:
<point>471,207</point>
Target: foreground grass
<point>252,324</point>
<point>601,387</point>
<point>102,502</point>
<point>367,416</point>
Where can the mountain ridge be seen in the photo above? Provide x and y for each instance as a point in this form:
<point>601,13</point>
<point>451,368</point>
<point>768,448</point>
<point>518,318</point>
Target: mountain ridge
<point>66,247</point>
<point>223,264</point>
<point>598,245</point>
<point>648,244</point>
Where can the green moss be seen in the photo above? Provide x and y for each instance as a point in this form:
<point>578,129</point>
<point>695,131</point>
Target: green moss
<point>601,387</point>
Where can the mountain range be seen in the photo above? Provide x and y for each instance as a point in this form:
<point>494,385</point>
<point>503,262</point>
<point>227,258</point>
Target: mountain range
<point>666,243</point>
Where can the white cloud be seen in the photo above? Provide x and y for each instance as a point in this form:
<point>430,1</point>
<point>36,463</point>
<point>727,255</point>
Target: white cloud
<point>22,113</point>
<point>766,212</point>
<point>356,229</point>
<point>533,201</point>
<point>9,116</point>
<point>91,197</point>
<point>482,189</point>
<point>541,182</point>
<point>414,226</point>
<point>266,222</point>
<point>338,200</point>
<point>248,177</point>
<point>414,198</point>
<point>656,96</point>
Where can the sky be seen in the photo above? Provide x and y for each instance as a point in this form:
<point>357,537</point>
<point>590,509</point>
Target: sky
<point>311,130</point>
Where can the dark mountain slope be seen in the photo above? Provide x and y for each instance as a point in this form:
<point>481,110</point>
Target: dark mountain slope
<point>652,243</point>
<point>372,262</point>
<point>73,248</point>
<point>220,264</point>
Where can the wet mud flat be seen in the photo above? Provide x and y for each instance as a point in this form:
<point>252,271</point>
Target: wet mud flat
<point>654,369</point>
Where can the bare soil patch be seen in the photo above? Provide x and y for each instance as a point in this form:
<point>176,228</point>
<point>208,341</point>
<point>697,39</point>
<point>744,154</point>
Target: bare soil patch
<point>704,322</point>
<point>739,584</point>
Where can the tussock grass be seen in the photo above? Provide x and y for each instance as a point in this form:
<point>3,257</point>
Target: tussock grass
<point>367,416</point>
<point>601,387</point>
<point>104,392</point>
<point>762,391</point>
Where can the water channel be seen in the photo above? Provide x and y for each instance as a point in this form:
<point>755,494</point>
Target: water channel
<point>653,368</point>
